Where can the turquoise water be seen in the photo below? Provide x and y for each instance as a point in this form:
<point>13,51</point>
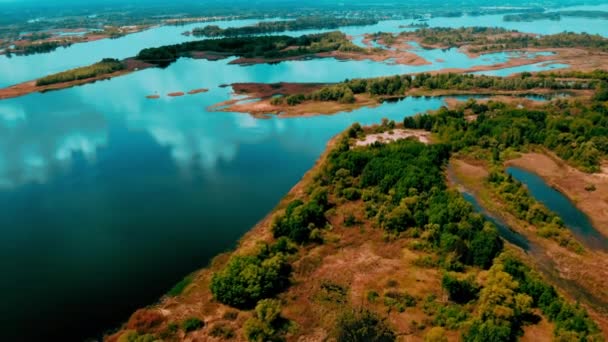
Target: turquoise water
<point>506,232</point>
<point>573,218</point>
<point>109,198</point>
<point>19,68</point>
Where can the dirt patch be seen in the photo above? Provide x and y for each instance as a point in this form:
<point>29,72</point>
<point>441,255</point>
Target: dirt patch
<point>176,94</point>
<point>394,135</point>
<point>198,91</point>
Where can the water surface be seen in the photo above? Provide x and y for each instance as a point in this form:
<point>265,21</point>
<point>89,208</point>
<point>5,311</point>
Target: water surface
<point>573,218</point>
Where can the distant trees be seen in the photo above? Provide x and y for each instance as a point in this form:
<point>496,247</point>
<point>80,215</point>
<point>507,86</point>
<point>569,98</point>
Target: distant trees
<point>579,139</point>
<point>268,47</point>
<point>300,23</point>
<point>106,66</point>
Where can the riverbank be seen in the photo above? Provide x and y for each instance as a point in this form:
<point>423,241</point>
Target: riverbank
<point>587,270</point>
<point>257,99</point>
<point>589,192</point>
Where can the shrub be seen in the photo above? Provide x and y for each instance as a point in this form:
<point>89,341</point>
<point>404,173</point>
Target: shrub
<point>363,325</point>
<point>436,334</point>
<point>192,324</point>
<point>301,218</point>
<point>266,325</point>
<point>222,330</point>
<point>460,290</point>
<point>134,336</point>
<point>247,279</point>
<point>231,315</point>
<point>399,300</point>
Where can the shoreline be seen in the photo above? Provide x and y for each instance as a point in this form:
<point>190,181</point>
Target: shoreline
<point>571,183</point>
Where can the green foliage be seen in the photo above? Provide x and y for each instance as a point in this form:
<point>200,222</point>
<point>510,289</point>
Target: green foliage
<point>192,324</point>
<point>601,94</point>
<point>267,47</point>
<point>36,48</point>
<point>460,290</point>
<point>223,331</point>
<point>181,286</point>
<point>403,187</point>
<point>300,23</point>
<point>526,208</point>
<point>501,309</point>
<point>580,139</point>
<point>436,334</point>
<point>399,300</point>
<point>106,66</point>
<point>570,320</point>
<point>301,218</point>
<point>134,336</point>
<point>450,316</point>
<point>331,293</point>
<point>266,325</point>
<point>247,279</point>
<point>363,326</point>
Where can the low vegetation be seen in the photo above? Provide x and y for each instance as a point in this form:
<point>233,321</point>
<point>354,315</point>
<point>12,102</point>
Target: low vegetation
<point>396,86</point>
<point>106,66</point>
<point>557,15</point>
<point>300,23</point>
<point>267,47</point>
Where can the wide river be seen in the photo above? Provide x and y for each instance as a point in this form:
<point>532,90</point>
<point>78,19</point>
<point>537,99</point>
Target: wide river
<point>108,199</point>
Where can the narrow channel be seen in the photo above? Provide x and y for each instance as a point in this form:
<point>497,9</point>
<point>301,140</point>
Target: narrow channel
<point>573,218</point>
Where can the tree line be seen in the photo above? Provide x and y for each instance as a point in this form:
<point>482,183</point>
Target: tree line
<point>267,47</point>
<point>105,66</point>
<point>300,23</point>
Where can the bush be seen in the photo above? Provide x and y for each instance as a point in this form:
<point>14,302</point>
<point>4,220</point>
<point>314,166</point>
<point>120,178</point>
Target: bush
<point>134,336</point>
<point>363,326</point>
<point>266,325</point>
<point>436,334</point>
<point>247,279</point>
<point>192,324</point>
<point>460,290</point>
<point>301,218</point>
<point>222,330</point>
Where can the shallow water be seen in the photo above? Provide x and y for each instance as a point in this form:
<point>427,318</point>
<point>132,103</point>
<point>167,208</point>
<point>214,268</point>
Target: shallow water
<point>573,218</point>
<point>20,68</point>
